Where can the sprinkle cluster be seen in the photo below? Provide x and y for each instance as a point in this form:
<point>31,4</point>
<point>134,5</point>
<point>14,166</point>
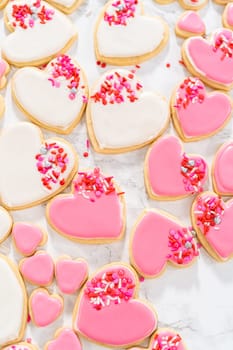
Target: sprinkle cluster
<point>224,43</point>
<point>117,88</point>
<point>209,212</point>
<point>25,16</point>
<point>52,162</point>
<point>191,92</point>
<point>183,246</point>
<point>112,287</point>
<point>193,171</point>
<point>123,10</point>
<point>64,69</point>
<point>166,342</point>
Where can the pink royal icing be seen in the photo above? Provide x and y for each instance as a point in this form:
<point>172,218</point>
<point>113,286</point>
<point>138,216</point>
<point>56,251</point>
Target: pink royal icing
<point>214,220</point>
<point>223,169</point>
<point>66,340</point>
<point>27,237</point>
<point>157,239</point>
<point>193,105</point>
<point>213,60</point>
<point>229,14</point>
<point>93,211</point>
<point>38,269</point>
<point>191,22</point>
<point>117,319</point>
<point>172,173</point>
<point>70,274</point>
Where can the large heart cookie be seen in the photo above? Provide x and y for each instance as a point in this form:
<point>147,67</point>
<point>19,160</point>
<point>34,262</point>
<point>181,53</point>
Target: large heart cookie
<point>13,303</point>
<point>108,299</point>
<point>33,22</point>
<point>93,213</point>
<point>6,223</point>
<point>121,116</point>
<point>170,173</point>
<point>165,339</point>
<point>65,339</point>
<point>223,170</point>
<point>54,98</point>
<point>124,36</point>
<point>211,60</point>
<point>212,219</point>
<point>158,238</point>
<point>21,346</point>
<point>37,169</point>
<point>196,114</point>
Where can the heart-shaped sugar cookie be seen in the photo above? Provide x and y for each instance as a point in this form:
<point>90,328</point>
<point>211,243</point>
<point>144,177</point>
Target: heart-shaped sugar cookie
<point>44,308</point>
<point>13,301</point>
<point>212,220</point>
<point>121,116</point>
<point>27,237</point>
<point>6,223</point>
<point>197,114</point>
<point>222,171</point>
<point>21,346</point>
<point>227,17</point>
<point>37,169</point>
<point>65,339</point>
<point>93,213</point>
<point>211,60</point>
<point>172,174</point>
<point>54,98</point>
<point>124,36</point>
<point>70,274</point>
<point>190,24</point>
<point>158,238</point>
<point>40,23</point>
<point>165,339</point>
<point>118,318</point>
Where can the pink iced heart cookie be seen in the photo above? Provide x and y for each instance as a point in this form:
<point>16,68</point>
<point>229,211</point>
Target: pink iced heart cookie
<point>38,269</point>
<point>28,237</point>
<point>38,169</point>
<point>190,24</point>
<point>21,346</point>
<point>197,114</point>
<point>223,170</point>
<point>227,17</point>
<point>122,22</point>
<point>158,238</point>
<point>212,219</point>
<point>6,223</point>
<point>108,299</point>
<point>65,339</point>
<point>36,90</point>
<point>212,60</point>
<point>44,308</point>
<point>70,274</point>
<point>165,339</point>
<point>170,173</point>
<point>119,103</point>
<point>93,213</point>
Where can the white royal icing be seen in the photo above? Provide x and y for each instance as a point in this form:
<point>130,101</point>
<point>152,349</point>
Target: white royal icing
<point>40,41</point>
<point>20,180</point>
<point>5,223</point>
<point>12,304</point>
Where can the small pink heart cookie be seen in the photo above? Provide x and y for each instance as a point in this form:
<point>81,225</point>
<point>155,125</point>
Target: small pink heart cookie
<point>212,220</point>
<point>6,223</point>
<point>28,237</point>
<point>227,17</point>
<point>172,174</point>
<point>44,308</point>
<point>21,346</point>
<point>70,274</point>
<point>118,318</point>
<point>158,238</point>
<point>65,339</point>
<point>197,114</point>
<point>211,60</point>
<point>165,339</point>
<point>38,269</point>
<point>93,213</point>
<point>222,172</point>
<point>190,24</point>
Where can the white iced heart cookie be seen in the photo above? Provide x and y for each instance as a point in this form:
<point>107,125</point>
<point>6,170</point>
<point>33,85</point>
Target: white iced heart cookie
<point>121,116</point>
<point>124,36</point>
<point>39,32</point>
<point>66,6</point>
<point>13,303</point>
<point>34,169</point>
<point>54,98</point>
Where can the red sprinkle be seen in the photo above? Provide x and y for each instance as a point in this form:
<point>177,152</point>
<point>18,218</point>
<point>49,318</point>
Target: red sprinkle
<point>120,12</point>
<point>182,63</point>
<point>168,65</point>
<point>85,154</point>
<point>190,91</point>
<point>166,342</point>
<point>224,43</point>
<point>194,171</point>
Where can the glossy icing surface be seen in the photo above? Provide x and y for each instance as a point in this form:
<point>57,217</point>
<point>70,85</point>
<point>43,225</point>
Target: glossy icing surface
<point>191,22</point>
<point>27,237</point>
<point>223,169</point>
<point>38,269</point>
<point>66,340</point>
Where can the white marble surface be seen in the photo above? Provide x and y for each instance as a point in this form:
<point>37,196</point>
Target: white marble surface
<point>196,301</point>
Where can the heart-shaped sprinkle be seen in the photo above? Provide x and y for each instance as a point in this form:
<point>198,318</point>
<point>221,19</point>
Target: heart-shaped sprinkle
<point>65,339</point>
<point>223,170</point>
<point>190,24</point>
